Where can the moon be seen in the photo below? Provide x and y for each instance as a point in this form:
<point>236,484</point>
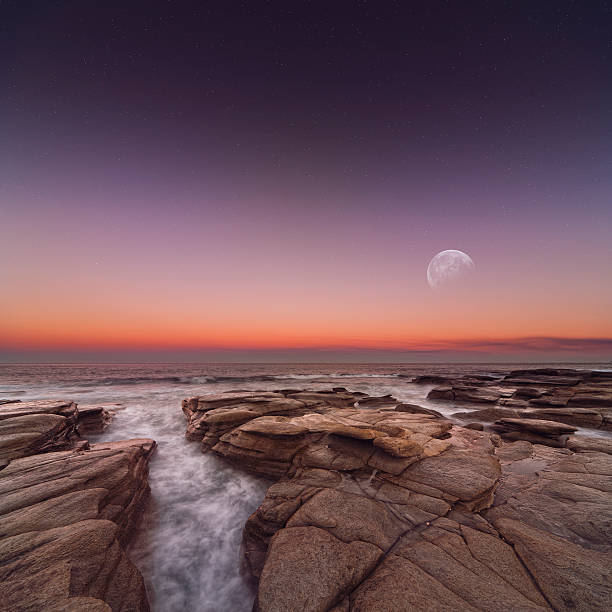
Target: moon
<point>449,268</point>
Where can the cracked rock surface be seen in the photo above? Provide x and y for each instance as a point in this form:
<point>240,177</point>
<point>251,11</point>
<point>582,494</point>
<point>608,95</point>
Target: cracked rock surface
<point>383,509</point>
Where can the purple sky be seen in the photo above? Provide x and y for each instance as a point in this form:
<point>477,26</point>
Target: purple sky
<point>278,177</point>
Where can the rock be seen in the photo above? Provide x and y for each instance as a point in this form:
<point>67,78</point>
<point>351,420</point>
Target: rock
<point>557,517</point>
<point>546,376</point>
<point>487,415</point>
<point>587,443</point>
<point>580,417</point>
<point>401,510</point>
<point>430,380</point>
<point>81,567</point>
<point>414,409</point>
<point>66,409</point>
<point>28,428</point>
<point>64,520</point>
<point>34,433</point>
<point>487,395</point>
<point>537,431</point>
<point>553,399</point>
<point>296,555</point>
<point>547,428</point>
<point>449,566</point>
<point>476,426</point>
<point>527,393</point>
<point>377,402</point>
<point>582,397</point>
<point>93,420</point>
<point>210,417</point>
<point>399,447</point>
<point>595,398</point>
<point>66,515</point>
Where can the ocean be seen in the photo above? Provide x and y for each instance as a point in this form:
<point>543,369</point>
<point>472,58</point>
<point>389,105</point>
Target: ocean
<point>188,545</point>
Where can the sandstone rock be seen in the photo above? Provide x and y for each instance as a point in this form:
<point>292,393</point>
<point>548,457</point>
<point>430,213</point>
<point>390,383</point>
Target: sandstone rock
<point>537,431</point>
<point>67,409</point>
<point>540,426</point>
<point>487,415</point>
<point>93,420</point>
<point>414,409</point>
<point>546,376</point>
<point>401,510</point>
<point>587,443</point>
<point>64,519</point>
<point>570,576</point>
<point>595,398</point>
<point>377,402</point>
<point>443,393</point>
<point>210,417</point>
<point>527,393</point>
<point>34,433</point>
<point>309,569</point>
<point>476,426</point>
<point>580,417</point>
<point>477,395</point>
<point>80,567</point>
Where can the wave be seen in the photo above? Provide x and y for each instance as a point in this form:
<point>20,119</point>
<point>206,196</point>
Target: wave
<point>210,379</point>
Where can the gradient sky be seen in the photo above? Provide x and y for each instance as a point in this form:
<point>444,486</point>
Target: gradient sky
<point>221,177</point>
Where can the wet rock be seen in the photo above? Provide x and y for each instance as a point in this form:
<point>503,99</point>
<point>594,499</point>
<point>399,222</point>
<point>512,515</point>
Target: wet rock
<point>477,395</point>
<point>563,377</point>
<point>443,393</point>
<point>429,379</point>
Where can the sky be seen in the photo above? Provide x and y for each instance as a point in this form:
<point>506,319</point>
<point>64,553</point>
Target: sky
<point>180,179</point>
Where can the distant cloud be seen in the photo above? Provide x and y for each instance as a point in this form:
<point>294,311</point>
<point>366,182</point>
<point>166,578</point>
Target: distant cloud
<point>525,349</point>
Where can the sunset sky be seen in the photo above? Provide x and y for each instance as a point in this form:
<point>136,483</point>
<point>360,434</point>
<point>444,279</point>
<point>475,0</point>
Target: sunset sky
<point>222,180</point>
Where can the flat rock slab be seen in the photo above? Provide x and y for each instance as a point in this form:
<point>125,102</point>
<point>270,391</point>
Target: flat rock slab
<point>540,426</point>
<point>65,408</point>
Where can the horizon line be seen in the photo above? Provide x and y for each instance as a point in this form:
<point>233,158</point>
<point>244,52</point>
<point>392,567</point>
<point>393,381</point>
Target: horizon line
<point>468,345</point>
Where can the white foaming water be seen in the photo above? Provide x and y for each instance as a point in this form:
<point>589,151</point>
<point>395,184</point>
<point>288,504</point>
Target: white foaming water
<point>188,545</point>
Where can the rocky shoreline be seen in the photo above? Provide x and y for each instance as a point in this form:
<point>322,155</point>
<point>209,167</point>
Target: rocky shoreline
<point>388,507</point>
<point>68,510</point>
<point>373,504</point>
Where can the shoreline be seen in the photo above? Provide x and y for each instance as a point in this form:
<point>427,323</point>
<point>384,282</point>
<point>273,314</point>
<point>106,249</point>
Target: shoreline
<point>307,483</point>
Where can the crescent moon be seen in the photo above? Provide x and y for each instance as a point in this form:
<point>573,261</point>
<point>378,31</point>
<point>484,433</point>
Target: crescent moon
<point>448,267</point>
